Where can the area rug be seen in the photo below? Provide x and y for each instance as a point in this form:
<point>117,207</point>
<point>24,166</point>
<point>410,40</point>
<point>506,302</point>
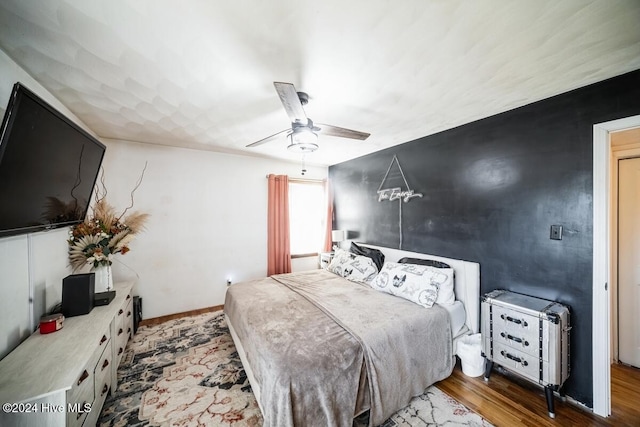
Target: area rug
<point>186,372</point>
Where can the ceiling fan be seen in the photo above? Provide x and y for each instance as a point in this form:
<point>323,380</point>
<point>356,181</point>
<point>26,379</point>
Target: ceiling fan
<point>303,133</point>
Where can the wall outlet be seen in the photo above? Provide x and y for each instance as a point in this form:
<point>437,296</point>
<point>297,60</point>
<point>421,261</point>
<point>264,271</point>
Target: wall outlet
<point>556,232</point>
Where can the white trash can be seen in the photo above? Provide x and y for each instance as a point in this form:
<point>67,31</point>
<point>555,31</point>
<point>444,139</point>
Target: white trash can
<point>470,353</point>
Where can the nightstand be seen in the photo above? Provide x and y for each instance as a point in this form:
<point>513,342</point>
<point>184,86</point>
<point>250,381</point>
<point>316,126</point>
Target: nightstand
<point>324,258</point>
<point>528,336</point>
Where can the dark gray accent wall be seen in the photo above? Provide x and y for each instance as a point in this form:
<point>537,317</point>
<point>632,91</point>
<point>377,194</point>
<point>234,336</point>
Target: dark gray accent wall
<point>491,191</point>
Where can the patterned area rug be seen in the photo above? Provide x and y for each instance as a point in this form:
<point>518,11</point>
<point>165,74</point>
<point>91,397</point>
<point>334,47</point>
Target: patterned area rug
<point>186,372</point>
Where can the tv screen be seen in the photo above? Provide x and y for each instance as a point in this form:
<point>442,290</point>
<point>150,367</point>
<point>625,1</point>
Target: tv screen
<point>48,166</point>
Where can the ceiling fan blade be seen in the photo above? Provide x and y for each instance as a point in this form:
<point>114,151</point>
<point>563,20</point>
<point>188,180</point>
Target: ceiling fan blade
<point>267,139</point>
<point>291,102</point>
<point>342,132</point>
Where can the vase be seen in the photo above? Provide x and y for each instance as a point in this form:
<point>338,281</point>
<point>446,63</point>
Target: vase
<point>104,279</point>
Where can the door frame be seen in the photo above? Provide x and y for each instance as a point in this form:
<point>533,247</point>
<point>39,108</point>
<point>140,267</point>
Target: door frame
<point>601,301</point>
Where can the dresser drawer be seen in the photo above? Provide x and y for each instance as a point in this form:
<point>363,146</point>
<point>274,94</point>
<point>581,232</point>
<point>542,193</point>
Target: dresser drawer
<point>103,372</point>
<point>76,413</point>
<point>121,314</point>
<point>83,391</point>
<point>516,360</point>
<point>518,325</point>
<point>124,329</point>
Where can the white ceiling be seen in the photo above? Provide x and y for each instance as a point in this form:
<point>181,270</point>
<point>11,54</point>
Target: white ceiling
<point>200,73</point>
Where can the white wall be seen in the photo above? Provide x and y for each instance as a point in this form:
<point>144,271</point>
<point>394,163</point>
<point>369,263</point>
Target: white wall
<point>48,266</point>
<point>208,224</point>
<point>208,221</point>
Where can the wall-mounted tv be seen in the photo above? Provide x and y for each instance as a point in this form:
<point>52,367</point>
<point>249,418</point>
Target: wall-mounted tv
<point>48,166</point>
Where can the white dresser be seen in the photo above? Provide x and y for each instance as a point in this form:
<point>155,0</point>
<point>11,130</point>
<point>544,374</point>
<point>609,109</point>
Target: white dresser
<point>64,377</point>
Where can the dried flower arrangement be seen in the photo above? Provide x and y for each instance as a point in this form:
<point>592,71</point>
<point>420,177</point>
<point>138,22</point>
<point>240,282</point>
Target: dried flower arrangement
<point>104,233</point>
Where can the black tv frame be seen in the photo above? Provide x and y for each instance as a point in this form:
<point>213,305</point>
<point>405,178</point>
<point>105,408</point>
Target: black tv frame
<point>18,93</point>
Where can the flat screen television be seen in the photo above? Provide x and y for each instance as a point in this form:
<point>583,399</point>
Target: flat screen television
<point>48,166</point>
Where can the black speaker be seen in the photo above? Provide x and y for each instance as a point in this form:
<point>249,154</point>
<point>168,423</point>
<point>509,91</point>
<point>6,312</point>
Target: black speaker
<point>137,312</point>
<point>77,294</point>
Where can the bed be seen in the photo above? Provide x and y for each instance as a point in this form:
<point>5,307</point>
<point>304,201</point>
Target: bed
<point>319,349</point>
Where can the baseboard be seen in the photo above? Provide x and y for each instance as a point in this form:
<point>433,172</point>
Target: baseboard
<point>162,319</point>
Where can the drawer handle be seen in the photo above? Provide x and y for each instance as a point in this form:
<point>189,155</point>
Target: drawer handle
<point>120,312</point>
<point>524,343</point>
<point>105,364</point>
<point>104,390</point>
<point>83,377</point>
<point>516,321</point>
<point>120,331</point>
<point>514,358</point>
<point>103,339</point>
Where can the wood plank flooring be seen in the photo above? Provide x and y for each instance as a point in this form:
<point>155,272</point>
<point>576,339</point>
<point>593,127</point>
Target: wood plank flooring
<point>162,319</point>
<point>506,400</point>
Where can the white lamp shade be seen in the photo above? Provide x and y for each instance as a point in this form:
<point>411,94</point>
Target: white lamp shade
<point>338,235</point>
<point>303,140</point>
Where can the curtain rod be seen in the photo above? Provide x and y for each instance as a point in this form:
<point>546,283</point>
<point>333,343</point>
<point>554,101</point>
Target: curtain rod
<point>304,179</point>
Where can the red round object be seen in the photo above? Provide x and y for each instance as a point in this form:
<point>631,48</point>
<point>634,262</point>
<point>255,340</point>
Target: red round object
<point>51,323</point>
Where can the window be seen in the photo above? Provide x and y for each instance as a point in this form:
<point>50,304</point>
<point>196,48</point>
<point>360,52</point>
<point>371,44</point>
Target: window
<point>307,216</point>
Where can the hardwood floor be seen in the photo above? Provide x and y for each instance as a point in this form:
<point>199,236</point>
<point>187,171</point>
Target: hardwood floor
<point>162,319</point>
<point>506,400</point>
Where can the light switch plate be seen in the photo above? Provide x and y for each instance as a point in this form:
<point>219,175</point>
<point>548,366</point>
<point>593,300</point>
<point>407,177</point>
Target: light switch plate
<point>556,232</point>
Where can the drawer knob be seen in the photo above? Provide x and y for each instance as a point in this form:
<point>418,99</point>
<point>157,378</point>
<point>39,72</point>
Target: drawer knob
<point>120,331</point>
<point>513,320</point>
<point>120,312</point>
<point>128,313</point>
<point>104,390</point>
<point>83,377</point>
<point>105,364</point>
<point>103,339</point>
<point>514,358</point>
<point>524,343</point>
<point>128,296</point>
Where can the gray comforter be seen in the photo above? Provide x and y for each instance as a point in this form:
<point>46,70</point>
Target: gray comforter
<point>324,349</point>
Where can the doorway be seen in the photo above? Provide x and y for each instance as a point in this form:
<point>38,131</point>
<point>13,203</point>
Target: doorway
<point>603,274</point>
<point>628,258</point>
<point>625,232</point>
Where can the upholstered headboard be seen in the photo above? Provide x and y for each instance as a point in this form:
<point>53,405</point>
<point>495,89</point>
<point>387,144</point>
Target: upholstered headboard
<point>467,280</point>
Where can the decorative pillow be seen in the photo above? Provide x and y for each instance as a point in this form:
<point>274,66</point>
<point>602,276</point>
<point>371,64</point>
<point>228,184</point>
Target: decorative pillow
<point>446,293</point>
<point>417,283</point>
<point>376,256</point>
<point>429,262</point>
<point>353,267</point>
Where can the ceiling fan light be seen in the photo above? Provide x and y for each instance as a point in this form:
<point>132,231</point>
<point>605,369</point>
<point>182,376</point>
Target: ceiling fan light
<point>302,147</point>
<point>303,140</point>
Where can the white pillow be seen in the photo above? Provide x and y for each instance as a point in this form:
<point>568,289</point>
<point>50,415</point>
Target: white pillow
<point>356,268</point>
<point>445,280</point>
<point>417,283</point>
